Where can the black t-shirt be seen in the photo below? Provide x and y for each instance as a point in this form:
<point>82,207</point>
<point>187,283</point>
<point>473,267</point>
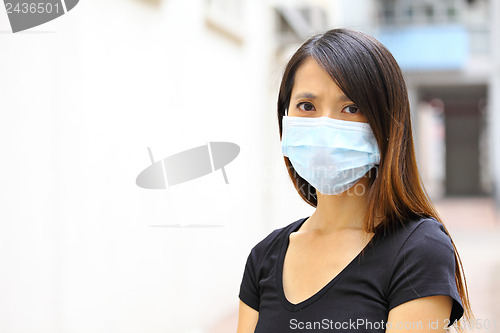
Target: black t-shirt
<point>414,260</point>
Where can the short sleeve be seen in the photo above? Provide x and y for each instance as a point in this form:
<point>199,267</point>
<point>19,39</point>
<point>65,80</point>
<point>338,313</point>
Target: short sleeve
<point>249,288</point>
<point>425,266</point>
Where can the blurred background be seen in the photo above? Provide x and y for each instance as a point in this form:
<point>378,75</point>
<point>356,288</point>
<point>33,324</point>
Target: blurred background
<point>84,249</point>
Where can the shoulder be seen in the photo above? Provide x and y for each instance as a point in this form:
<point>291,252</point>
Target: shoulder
<point>429,235</point>
<point>423,264</point>
<point>423,234</point>
<point>424,250</point>
<point>422,245</point>
<point>430,226</point>
<point>273,240</point>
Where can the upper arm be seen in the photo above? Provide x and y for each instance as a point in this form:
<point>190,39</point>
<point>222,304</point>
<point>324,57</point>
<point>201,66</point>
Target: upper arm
<point>247,319</point>
<point>426,314</point>
<point>249,296</point>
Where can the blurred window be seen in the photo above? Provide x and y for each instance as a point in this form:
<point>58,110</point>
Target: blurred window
<point>411,12</point>
<point>473,14</point>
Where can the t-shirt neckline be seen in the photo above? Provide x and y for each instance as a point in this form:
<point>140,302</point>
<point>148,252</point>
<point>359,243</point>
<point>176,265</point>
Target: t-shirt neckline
<point>279,275</point>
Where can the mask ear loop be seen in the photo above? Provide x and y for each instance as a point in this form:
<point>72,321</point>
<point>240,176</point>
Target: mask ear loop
<point>286,112</point>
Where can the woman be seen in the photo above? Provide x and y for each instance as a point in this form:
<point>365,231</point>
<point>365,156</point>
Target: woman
<point>374,256</point>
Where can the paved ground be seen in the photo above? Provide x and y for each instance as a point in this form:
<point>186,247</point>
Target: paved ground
<point>475,229</point>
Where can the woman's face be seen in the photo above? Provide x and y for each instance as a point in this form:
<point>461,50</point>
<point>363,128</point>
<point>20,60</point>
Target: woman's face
<point>315,94</point>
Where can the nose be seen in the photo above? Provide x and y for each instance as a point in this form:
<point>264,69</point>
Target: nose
<point>326,112</point>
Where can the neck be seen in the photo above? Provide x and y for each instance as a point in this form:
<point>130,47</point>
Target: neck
<point>340,212</point>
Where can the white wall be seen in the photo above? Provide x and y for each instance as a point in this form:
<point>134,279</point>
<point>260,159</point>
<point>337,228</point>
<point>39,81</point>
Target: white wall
<point>83,249</point>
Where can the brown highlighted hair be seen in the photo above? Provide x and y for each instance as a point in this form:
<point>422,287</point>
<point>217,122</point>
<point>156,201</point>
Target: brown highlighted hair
<point>369,76</point>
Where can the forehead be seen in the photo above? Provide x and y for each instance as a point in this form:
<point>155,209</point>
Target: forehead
<point>311,77</point>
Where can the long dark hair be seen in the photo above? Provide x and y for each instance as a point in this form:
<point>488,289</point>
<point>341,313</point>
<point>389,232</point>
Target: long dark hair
<point>369,76</point>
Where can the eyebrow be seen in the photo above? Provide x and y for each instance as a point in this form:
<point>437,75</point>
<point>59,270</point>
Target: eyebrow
<point>309,95</point>
<point>305,95</point>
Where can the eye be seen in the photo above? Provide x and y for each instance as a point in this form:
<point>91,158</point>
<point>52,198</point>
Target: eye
<point>305,106</point>
<point>351,109</point>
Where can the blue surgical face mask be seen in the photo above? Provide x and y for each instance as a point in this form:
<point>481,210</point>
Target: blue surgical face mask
<point>330,154</point>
